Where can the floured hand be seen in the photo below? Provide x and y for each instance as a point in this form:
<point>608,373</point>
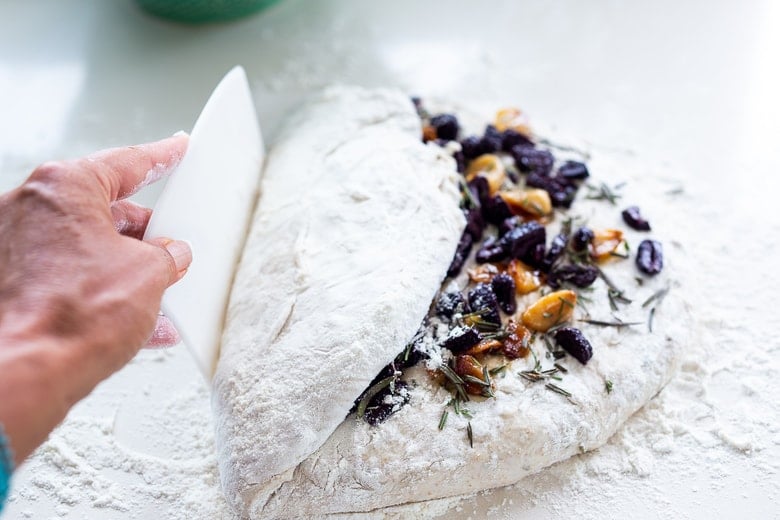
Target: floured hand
<point>79,291</point>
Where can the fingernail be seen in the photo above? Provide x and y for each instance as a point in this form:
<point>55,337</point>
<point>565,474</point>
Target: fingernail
<point>181,253</point>
<point>164,335</point>
<point>180,133</point>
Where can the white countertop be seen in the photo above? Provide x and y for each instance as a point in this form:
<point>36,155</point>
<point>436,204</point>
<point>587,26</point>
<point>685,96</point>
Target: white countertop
<point>692,87</point>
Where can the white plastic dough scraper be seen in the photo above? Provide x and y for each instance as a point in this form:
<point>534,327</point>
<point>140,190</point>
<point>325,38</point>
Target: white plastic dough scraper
<point>208,201</point>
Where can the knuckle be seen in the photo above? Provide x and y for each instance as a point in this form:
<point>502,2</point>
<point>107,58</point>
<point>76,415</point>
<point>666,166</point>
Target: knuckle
<point>51,171</point>
<point>162,262</point>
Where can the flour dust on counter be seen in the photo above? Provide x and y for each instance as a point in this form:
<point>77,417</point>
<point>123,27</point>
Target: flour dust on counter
<point>142,454</point>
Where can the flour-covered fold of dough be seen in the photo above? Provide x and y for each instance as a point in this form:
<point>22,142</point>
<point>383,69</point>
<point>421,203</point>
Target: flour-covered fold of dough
<point>356,224</point>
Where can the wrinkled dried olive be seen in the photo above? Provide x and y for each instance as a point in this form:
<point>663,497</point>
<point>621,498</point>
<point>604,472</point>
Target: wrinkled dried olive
<point>449,303</point>
<point>470,147</point>
<point>492,250</point>
<point>507,224</point>
<point>581,238</point>
<point>480,188</point>
<point>511,138</point>
<point>650,257</point>
<point>573,342</point>
<point>461,254</point>
<point>483,299</point>
<point>580,275</point>
<point>460,161</point>
<point>504,288</point>
<point>475,224</point>
<point>495,210</point>
<point>461,340</point>
<point>536,257</point>
<point>491,140</point>
<point>530,159</point>
<point>633,218</point>
<point>573,170</point>
<point>557,247</point>
<point>446,126</point>
<point>561,191</point>
<point>380,409</point>
<point>521,242</point>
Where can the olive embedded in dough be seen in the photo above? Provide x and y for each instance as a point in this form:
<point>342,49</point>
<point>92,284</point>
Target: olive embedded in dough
<point>574,342</point>
<point>650,257</point>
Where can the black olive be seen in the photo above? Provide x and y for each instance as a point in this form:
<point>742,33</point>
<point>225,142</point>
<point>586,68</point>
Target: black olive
<point>573,170</point>
<point>379,409</point>
<point>521,242</point>
<point>511,138</point>
<point>573,342</point>
<point>461,254</point>
<point>633,218</point>
<point>530,159</point>
<point>650,257</point>
<point>449,303</point>
<point>557,247</point>
<point>446,126</point>
<point>461,340</point>
<point>492,250</point>
<point>495,210</point>
<point>581,238</point>
<point>504,288</point>
<point>580,275</point>
<point>482,298</point>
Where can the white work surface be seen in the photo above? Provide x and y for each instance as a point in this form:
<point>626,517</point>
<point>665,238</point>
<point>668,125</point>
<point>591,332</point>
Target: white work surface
<point>685,87</point>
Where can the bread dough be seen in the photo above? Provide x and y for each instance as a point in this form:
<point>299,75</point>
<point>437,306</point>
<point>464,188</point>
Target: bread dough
<point>319,307</point>
<point>355,227</point>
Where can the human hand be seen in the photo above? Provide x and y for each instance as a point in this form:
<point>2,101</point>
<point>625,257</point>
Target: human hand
<point>79,291</point>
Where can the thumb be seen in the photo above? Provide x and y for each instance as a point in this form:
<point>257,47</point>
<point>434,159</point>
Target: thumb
<point>177,254</point>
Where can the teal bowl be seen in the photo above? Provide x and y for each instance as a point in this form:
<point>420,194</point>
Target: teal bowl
<point>203,11</point>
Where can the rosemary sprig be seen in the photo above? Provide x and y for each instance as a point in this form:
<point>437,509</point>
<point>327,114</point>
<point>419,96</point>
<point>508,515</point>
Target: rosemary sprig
<point>371,392</point>
<point>461,411</point>
<point>617,323</point>
<point>468,197</point>
<point>603,192</point>
<point>474,319</point>
<point>443,420</point>
<point>657,296</point>
<point>499,335</point>
<point>558,390</point>
<point>608,281</point>
<point>455,379</point>
<point>608,386</point>
<point>650,320</point>
<point>498,370</point>
<point>477,381</point>
<point>531,376</point>
<point>470,434</point>
<point>537,374</point>
<point>616,297</point>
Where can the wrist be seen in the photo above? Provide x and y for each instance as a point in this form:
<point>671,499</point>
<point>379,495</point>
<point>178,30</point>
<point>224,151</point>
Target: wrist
<point>36,376</point>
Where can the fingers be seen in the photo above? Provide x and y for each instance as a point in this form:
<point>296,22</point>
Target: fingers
<point>123,171</point>
<point>130,219</point>
<point>164,335</point>
<point>173,258</point>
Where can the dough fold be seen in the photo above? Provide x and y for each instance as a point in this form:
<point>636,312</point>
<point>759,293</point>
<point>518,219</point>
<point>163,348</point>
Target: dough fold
<point>356,224</point>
